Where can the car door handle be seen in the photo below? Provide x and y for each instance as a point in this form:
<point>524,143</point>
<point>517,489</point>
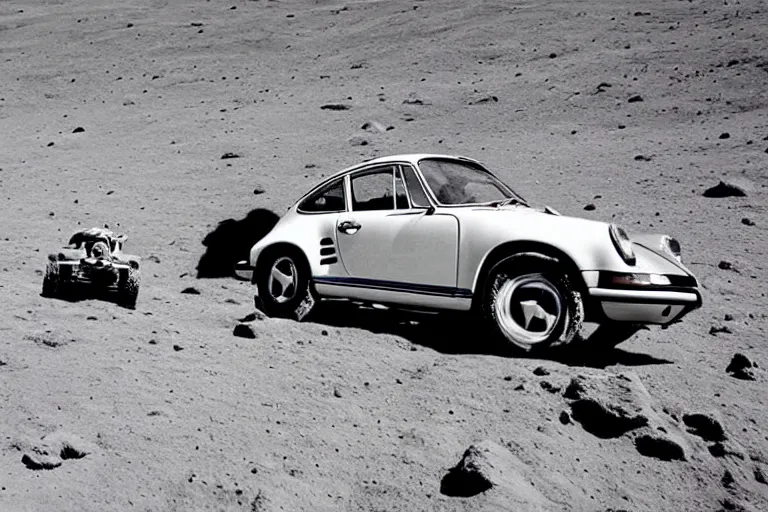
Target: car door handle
<point>349,227</point>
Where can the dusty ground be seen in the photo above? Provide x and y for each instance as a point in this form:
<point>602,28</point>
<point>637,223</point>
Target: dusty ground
<point>175,413</point>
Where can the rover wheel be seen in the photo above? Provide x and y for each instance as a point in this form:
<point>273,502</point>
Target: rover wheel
<point>128,287</point>
<point>284,285</point>
<point>530,302</point>
<point>51,280</point>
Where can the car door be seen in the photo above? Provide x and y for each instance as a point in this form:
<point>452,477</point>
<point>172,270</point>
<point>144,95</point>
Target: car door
<point>388,241</point>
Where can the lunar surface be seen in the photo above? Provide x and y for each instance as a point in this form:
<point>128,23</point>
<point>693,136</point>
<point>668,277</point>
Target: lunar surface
<point>191,125</point>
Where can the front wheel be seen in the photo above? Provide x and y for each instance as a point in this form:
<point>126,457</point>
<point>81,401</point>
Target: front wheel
<point>284,285</point>
<point>531,303</point>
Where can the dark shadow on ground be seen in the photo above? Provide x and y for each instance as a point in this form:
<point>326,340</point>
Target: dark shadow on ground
<point>78,292</point>
<point>231,242</point>
<point>459,333</point>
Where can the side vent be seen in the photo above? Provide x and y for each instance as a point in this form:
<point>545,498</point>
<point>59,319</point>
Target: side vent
<point>328,251</point>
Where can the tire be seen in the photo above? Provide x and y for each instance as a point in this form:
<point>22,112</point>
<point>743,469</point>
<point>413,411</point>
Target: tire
<point>128,288</point>
<point>284,285</point>
<point>51,280</point>
<point>530,303</point>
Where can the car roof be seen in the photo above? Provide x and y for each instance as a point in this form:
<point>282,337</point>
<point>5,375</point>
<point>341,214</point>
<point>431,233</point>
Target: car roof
<point>411,158</point>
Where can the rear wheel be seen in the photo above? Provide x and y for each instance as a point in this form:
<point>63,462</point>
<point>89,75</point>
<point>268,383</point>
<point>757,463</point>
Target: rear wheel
<point>51,280</point>
<point>284,285</point>
<point>128,287</point>
<point>530,302</point>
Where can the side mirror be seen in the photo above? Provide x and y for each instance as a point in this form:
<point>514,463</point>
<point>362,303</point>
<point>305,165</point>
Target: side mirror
<point>430,210</point>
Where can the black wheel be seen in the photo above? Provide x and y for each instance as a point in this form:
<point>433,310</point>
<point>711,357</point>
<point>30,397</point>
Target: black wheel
<point>531,304</point>
<point>128,287</point>
<point>51,280</point>
<point>284,285</point>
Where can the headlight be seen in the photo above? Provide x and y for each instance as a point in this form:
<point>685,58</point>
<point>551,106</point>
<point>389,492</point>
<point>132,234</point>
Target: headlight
<point>672,247</point>
<point>622,243</point>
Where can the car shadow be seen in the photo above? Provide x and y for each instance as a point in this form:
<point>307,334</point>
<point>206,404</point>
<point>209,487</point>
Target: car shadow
<point>231,241</point>
<point>458,333</point>
<point>79,292</point>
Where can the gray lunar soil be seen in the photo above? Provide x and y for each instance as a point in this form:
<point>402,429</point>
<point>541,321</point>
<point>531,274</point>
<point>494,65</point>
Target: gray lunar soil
<point>119,114</point>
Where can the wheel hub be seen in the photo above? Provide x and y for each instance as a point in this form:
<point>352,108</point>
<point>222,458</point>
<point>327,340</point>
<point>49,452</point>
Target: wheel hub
<point>528,309</point>
<point>282,280</point>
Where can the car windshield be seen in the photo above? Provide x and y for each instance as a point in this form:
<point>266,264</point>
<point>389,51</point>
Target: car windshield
<point>455,182</point>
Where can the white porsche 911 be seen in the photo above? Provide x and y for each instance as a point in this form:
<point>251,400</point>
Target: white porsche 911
<point>443,233</point>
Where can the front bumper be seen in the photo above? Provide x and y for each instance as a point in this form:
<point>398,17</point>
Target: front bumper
<point>660,305</point>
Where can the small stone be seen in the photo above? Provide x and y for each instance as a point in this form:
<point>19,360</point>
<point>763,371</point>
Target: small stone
<point>724,189</point>
<point>747,222</point>
<point>79,129</point>
<point>244,331</point>
<point>92,318</point>
<point>634,99</point>
<point>552,55</point>
<point>227,156</point>
<point>520,387</point>
<point>549,387</point>
<point>335,106</point>
<point>717,329</point>
<point>540,371</point>
<point>724,135</point>
<point>642,158</point>
<point>760,476</point>
<point>728,317</point>
<point>565,418</point>
<point>258,191</point>
<point>725,265</point>
<point>178,348</point>
<point>358,141</point>
<point>191,290</point>
<point>336,392</point>
<point>741,367</point>
<point>590,207</point>
<point>50,144</point>
<point>324,332</point>
<point>727,480</point>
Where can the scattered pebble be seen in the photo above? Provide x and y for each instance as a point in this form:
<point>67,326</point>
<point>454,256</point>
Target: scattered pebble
<point>335,106</point>
<point>724,135</point>
<point>747,222</point>
<point>634,99</point>
<point>79,129</point>
<point>227,156</point>
<point>725,265</point>
<point>191,290</point>
<point>590,207</point>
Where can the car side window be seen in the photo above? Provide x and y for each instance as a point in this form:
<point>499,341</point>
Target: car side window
<point>418,196</point>
<point>329,199</point>
<point>373,190</point>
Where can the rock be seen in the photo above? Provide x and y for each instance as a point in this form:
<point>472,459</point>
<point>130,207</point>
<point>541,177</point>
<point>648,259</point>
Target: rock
<point>336,392</point>
<point>227,156</point>
<point>191,290</point>
<point>660,446</point>
<point>609,406</point>
<point>727,480</point>
<point>590,207</point>
<point>741,367</point>
<point>356,140</point>
<point>635,99</point>
<point>716,329</point>
<point>374,126</point>
<point>79,129</point>
<point>643,158</point>
<point>250,317</point>
<point>724,135</point>
<point>178,348</point>
<point>725,265</point>
<point>540,371</point>
<point>747,222</point>
<point>486,465</point>
<point>480,100</point>
<point>552,55</point>
<point>760,475</point>
<point>258,191</point>
<point>244,331</point>
<point>335,106</point>
<point>705,425</point>
<point>565,418</point>
<point>724,189</point>
<point>728,317</point>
